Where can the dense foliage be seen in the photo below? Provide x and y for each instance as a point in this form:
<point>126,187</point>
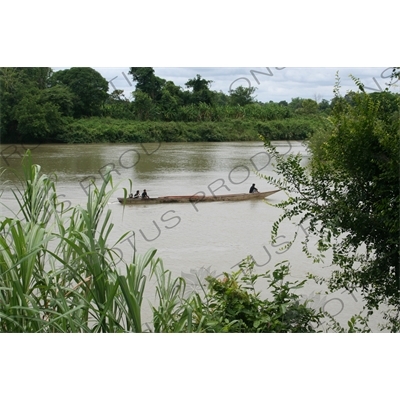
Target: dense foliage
<point>89,89</point>
<point>96,130</point>
<point>233,304</point>
<point>72,105</point>
<point>349,196</point>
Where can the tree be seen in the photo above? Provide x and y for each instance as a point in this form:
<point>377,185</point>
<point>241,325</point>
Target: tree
<point>221,99</point>
<point>61,96</point>
<point>30,109</point>
<point>242,95</point>
<point>198,84</point>
<point>147,81</point>
<point>169,103</point>
<point>307,107</point>
<point>324,105</point>
<point>11,92</point>
<point>38,118</point>
<point>88,86</point>
<point>201,92</point>
<point>144,107</point>
<point>295,103</point>
<point>118,106</point>
<point>350,196</point>
<point>39,75</point>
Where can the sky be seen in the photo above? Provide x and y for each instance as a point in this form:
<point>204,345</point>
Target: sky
<point>271,83</point>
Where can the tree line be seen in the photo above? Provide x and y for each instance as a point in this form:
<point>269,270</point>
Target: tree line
<point>71,105</point>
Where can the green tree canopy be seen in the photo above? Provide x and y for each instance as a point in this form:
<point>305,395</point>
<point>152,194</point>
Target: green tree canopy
<point>62,97</point>
<point>242,95</point>
<point>147,81</point>
<point>170,102</point>
<point>201,92</point>
<point>144,107</point>
<point>349,195</point>
<point>324,105</point>
<point>308,107</point>
<point>296,103</point>
<point>38,118</point>
<point>30,109</point>
<point>88,86</point>
<point>11,93</point>
<point>39,76</point>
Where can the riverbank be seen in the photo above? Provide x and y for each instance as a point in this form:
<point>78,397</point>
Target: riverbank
<point>111,130</point>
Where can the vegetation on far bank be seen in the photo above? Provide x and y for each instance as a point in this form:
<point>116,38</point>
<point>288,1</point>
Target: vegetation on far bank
<point>100,129</point>
<point>74,106</point>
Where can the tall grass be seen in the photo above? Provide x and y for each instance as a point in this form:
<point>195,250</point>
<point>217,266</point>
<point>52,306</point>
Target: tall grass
<point>57,269</point>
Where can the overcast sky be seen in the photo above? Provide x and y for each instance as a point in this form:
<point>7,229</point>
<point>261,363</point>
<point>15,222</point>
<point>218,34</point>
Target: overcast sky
<point>272,83</point>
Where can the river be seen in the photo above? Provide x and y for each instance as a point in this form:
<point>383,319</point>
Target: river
<point>192,239</point>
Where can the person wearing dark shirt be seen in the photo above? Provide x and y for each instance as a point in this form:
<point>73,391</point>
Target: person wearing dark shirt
<point>145,195</point>
<point>253,189</point>
<point>137,194</point>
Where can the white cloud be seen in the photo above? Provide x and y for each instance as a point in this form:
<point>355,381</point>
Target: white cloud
<point>283,84</point>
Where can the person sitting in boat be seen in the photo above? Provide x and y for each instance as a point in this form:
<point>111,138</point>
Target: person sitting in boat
<point>137,194</point>
<point>253,189</point>
<point>131,195</point>
<point>145,195</point>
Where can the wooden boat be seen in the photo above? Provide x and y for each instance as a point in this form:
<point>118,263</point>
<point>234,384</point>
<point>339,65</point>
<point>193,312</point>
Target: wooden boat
<point>197,198</point>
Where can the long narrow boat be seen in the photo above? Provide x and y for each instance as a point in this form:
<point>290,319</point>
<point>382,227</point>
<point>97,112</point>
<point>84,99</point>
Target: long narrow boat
<point>198,198</point>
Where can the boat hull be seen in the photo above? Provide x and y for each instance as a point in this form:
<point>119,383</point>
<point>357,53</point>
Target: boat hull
<point>197,198</point>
